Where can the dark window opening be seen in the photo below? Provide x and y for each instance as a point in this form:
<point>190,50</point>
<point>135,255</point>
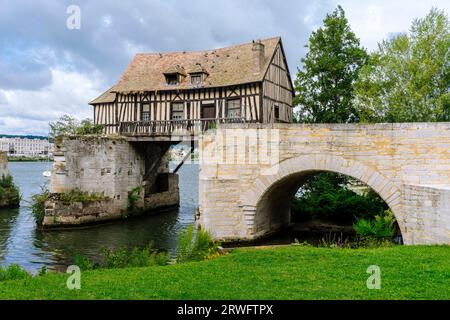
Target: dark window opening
<point>276,112</point>
<point>172,79</point>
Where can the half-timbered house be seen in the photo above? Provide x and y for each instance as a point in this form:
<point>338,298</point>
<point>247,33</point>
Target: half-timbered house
<point>160,91</point>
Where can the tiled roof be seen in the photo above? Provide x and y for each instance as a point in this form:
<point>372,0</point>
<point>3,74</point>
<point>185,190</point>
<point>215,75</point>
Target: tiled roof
<point>106,97</point>
<point>226,66</point>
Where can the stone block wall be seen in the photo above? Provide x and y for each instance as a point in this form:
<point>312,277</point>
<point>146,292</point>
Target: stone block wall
<point>112,166</point>
<point>59,214</point>
<point>428,213</point>
<point>3,164</point>
<point>244,193</point>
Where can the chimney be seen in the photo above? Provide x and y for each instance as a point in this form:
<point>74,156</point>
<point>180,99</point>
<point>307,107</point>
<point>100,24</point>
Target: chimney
<point>258,55</point>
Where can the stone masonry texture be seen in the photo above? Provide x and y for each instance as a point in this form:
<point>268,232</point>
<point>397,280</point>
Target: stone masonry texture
<point>244,196</point>
<point>111,166</point>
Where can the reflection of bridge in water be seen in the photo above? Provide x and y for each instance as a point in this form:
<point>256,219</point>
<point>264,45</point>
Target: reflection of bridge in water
<point>246,187</point>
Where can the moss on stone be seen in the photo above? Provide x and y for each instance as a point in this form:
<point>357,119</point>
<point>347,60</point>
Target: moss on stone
<point>9,193</point>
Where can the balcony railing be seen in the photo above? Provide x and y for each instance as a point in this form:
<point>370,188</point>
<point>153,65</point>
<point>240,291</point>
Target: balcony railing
<point>173,127</point>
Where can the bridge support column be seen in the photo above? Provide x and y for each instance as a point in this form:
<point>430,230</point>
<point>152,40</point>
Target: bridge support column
<point>3,164</point>
<point>119,179</point>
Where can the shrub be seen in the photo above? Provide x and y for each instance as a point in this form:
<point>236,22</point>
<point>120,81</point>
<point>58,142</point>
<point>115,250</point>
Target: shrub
<point>196,245</point>
<point>42,271</point>
<point>125,258</point>
<point>76,195</point>
<point>69,126</point>
<point>83,262</point>
<point>134,196</point>
<point>13,272</point>
<point>134,257</point>
<point>38,205</point>
<point>326,196</point>
<point>380,228</point>
<point>9,193</point>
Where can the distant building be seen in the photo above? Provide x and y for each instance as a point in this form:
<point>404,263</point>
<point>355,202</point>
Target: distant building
<point>28,146</point>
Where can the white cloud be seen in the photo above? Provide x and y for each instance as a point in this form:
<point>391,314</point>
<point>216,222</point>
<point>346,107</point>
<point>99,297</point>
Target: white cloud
<point>47,70</point>
<point>373,21</point>
<point>24,111</point>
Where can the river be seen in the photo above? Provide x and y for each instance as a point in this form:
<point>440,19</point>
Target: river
<point>22,243</point>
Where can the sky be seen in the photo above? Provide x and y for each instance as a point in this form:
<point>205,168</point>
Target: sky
<point>48,70</point>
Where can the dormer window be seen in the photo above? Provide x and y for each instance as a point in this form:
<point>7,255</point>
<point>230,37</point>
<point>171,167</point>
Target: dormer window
<point>172,79</point>
<point>174,75</point>
<point>196,79</point>
<point>197,74</point>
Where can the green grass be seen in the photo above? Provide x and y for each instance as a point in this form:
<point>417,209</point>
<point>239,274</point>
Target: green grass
<point>292,272</point>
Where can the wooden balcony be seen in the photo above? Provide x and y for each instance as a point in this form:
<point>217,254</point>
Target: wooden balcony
<point>171,129</point>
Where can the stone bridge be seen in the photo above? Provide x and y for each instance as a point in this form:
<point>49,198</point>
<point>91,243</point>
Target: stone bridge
<point>249,176</point>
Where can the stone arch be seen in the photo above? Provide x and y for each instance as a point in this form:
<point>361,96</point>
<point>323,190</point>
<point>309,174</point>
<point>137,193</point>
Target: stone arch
<point>291,170</point>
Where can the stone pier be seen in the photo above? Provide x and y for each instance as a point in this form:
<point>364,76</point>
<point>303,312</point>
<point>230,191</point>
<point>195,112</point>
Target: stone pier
<point>9,193</point>
<point>120,179</point>
<point>3,164</point>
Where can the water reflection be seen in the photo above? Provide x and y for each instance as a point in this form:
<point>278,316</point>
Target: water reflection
<point>22,243</point>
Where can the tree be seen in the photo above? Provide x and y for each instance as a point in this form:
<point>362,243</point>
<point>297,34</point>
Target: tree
<point>327,196</point>
<point>408,78</point>
<point>324,91</point>
<point>69,126</point>
<point>324,85</point>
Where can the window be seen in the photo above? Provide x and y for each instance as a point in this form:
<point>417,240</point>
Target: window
<point>276,112</point>
<point>172,79</point>
<point>234,108</point>
<point>145,115</point>
<point>177,111</point>
<point>196,79</point>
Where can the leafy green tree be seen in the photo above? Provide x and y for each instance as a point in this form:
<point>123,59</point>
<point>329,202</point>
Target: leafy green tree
<point>327,196</point>
<point>324,84</point>
<point>69,126</point>
<point>408,78</point>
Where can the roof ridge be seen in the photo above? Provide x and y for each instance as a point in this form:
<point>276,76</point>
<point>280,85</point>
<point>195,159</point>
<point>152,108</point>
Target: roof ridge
<point>206,50</point>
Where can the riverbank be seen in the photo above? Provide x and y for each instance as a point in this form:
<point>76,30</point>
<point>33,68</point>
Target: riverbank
<point>29,159</point>
<point>288,272</point>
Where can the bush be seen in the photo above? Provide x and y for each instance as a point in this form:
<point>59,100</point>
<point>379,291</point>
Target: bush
<point>125,258</point>
<point>196,245</point>
<point>38,205</point>
<point>76,195</point>
<point>9,193</point>
<point>380,228</point>
<point>135,257</point>
<point>42,271</point>
<point>83,262</point>
<point>69,126</point>
<point>326,196</point>
<point>134,196</point>
<point>13,272</point>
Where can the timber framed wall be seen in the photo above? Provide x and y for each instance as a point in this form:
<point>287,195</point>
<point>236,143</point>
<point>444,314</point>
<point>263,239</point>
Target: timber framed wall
<point>128,107</point>
<point>277,90</point>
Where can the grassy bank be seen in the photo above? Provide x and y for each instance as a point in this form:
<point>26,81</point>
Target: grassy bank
<point>27,159</point>
<point>292,272</point>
